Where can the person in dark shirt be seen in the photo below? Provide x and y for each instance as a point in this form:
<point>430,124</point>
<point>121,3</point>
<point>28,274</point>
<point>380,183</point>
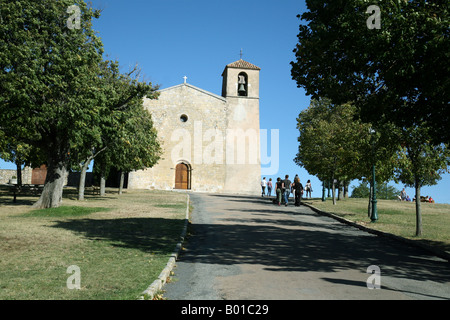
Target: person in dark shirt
<point>287,189</point>
<point>298,187</point>
<point>279,190</point>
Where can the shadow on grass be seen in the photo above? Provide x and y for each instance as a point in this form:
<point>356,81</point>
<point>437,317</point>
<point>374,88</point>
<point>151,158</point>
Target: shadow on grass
<point>8,201</point>
<point>72,194</point>
<point>152,235</point>
<point>65,211</point>
<point>28,198</point>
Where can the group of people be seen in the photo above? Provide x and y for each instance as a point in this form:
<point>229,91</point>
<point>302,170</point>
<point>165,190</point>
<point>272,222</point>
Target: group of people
<point>404,197</point>
<point>283,189</point>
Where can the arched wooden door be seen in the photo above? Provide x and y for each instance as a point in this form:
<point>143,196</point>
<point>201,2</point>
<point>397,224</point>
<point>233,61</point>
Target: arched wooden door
<point>182,176</point>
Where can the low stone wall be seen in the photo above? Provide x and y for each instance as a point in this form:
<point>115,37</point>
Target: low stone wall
<point>7,174</point>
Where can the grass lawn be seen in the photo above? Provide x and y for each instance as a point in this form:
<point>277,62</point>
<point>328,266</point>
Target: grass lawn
<point>396,217</point>
<point>120,244</point>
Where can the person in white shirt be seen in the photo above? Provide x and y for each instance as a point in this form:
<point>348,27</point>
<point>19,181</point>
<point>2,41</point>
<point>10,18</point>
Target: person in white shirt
<point>263,186</point>
<point>308,188</point>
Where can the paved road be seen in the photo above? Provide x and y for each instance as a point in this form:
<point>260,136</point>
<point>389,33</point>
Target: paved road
<point>245,248</point>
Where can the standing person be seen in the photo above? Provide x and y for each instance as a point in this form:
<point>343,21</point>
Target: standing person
<point>287,189</point>
<point>269,187</point>
<point>263,186</point>
<point>298,187</point>
<point>308,188</point>
<point>292,186</point>
<point>403,195</point>
<point>279,190</point>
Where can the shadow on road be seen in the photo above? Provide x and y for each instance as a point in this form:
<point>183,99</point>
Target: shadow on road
<point>299,243</point>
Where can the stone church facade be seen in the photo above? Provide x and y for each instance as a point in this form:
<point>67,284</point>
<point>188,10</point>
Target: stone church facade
<point>210,143</point>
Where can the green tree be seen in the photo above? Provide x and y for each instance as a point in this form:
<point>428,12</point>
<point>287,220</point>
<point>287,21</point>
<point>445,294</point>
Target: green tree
<point>2,140</point>
<point>331,142</point>
<point>335,145</point>
<point>141,148</point>
<point>386,191</point>
<point>124,101</point>
<point>361,191</point>
<point>397,73</point>
<point>48,71</point>
<point>136,145</point>
<point>420,164</point>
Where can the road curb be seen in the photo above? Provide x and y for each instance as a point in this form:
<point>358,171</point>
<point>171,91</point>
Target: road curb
<point>440,253</point>
<point>156,285</point>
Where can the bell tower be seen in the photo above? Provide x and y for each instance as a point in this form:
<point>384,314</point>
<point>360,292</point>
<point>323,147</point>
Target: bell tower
<point>241,79</point>
<point>240,88</point>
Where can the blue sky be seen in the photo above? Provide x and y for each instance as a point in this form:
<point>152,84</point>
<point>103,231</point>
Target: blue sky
<point>170,39</point>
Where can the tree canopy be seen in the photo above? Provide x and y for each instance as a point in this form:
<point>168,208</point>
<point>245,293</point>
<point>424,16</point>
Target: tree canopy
<point>333,144</point>
<point>395,72</point>
<point>58,95</point>
<point>399,72</point>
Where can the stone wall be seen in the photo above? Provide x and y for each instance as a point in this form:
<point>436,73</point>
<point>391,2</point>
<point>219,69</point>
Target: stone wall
<point>244,166</point>
<point>217,137</point>
<point>191,123</point>
<point>27,172</point>
<point>243,170</point>
<point>7,174</point>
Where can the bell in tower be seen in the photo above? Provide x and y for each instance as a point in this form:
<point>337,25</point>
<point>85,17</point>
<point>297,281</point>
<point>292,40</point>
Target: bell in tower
<point>242,84</point>
<point>240,80</point>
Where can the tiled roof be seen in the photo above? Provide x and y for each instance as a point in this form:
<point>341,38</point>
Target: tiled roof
<point>241,64</point>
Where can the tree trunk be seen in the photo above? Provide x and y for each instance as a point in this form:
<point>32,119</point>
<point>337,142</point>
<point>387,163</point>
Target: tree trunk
<point>323,191</point>
<point>102,185</point>
<point>333,190</point>
<point>82,182</point>
<point>329,195</point>
<point>339,190</point>
<point>19,173</point>
<point>84,167</point>
<point>51,196</point>
<point>369,207</point>
<point>346,189</point>
<point>418,210</point>
<point>122,178</point>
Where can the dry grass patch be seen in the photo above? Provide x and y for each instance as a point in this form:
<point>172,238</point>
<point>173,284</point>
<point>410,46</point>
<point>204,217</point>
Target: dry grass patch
<point>120,243</point>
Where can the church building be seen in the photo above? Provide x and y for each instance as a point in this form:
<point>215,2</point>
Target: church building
<point>210,143</point>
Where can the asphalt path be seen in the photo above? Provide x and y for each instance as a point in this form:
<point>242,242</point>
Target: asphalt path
<point>246,248</point>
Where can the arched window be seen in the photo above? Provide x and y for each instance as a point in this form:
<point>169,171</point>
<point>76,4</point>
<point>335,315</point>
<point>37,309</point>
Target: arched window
<point>242,84</point>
